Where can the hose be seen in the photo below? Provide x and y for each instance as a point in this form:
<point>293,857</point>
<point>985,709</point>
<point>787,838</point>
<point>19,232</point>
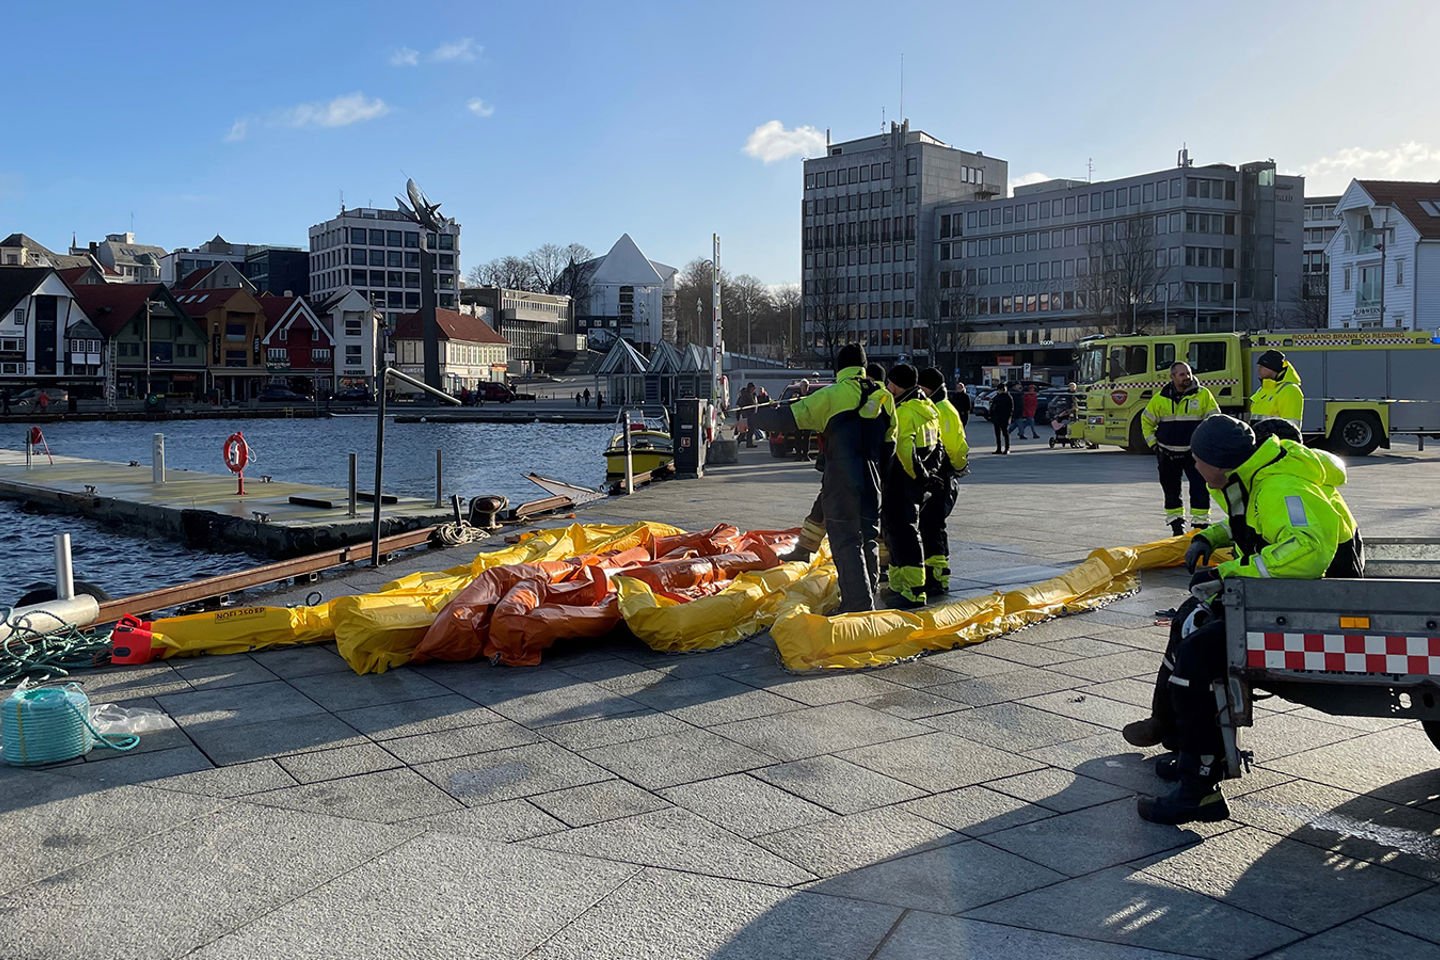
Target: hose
<point>38,650</point>
<point>457,533</point>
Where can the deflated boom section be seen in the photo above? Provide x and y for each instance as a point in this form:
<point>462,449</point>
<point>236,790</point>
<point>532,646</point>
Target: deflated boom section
<point>677,592</point>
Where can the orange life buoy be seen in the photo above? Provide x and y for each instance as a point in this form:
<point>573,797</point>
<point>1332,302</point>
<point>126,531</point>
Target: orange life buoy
<point>236,452</point>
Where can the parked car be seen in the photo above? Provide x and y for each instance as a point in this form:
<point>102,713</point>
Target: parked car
<point>363,395</point>
<point>275,393</point>
<point>29,397</point>
<point>786,445</point>
<point>494,390</point>
<point>980,401</point>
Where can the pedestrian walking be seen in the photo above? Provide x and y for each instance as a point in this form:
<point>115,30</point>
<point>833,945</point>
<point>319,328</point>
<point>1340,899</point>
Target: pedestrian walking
<point>1167,424</point>
<point>577,398</point>
<point>599,399</point>
<point>1028,403</point>
<point>586,395</point>
<point>1002,408</point>
<point>745,402</point>
<point>963,403</point>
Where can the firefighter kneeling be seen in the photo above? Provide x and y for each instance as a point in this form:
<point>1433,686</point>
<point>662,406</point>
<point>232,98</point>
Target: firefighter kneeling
<point>1285,518</point>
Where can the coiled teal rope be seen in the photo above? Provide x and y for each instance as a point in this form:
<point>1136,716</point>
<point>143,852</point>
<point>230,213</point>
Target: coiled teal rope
<point>51,725</point>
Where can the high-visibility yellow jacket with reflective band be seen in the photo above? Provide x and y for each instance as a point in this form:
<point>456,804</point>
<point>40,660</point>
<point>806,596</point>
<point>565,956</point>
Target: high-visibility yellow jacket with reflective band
<point>1282,397</point>
<point>1288,495</point>
<point>845,395</point>
<point>881,403</point>
<point>952,433</point>
<point>917,432</point>
<point>1168,421</point>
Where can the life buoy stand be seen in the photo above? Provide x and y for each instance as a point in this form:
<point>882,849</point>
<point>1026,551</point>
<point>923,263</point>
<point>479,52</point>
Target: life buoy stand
<point>236,453</point>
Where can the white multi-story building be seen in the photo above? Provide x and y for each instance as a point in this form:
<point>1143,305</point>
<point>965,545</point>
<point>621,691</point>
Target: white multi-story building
<point>470,351</point>
<point>132,262</point>
<point>355,326</point>
<point>378,253</point>
<point>631,296</point>
<point>1385,256</point>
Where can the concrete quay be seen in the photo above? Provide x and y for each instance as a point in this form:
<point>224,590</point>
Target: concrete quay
<point>203,510</point>
<point>618,803</point>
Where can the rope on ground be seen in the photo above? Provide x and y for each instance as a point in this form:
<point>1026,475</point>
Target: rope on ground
<point>457,533</point>
<point>41,646</point>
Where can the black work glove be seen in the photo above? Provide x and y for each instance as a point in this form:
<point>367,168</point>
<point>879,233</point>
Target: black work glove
<point>1205,583</point>
<point>1198,553</point>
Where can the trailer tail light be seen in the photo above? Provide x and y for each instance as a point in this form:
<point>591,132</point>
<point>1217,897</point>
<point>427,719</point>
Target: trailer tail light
<point>1354,623</point>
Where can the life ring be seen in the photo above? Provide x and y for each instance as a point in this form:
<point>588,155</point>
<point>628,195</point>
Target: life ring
<point>236,452</point>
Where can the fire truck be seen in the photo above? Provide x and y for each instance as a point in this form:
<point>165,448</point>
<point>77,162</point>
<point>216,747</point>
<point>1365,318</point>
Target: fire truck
<point>1362,387</point>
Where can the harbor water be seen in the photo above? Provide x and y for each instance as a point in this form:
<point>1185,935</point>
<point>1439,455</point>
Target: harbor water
<point>479,458</point>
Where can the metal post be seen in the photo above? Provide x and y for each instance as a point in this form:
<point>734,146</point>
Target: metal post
<point>64,572</point>
<point>29,450</point>
<point>148,351</point>
<point>379,465</point>
<point>439,474</point>
<point>353,487</point>
<point>629,460</point>
<point>157,458</point>
<point>429,326</point>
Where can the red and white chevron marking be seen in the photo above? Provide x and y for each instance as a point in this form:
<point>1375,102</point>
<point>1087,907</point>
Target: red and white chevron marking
<point>1343,653</point>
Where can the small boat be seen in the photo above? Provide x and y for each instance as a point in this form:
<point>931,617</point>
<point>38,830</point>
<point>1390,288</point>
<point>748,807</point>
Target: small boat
<point>650,445</point>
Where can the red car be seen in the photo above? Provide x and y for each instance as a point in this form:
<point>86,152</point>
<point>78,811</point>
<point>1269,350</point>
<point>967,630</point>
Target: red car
<point>786,445</point>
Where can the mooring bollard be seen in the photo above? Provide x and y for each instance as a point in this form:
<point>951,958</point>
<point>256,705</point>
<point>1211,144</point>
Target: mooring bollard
<point>157,458</point>
<point>353,487</point>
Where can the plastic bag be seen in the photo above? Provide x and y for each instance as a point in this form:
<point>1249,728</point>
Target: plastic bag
<point>110,719</point>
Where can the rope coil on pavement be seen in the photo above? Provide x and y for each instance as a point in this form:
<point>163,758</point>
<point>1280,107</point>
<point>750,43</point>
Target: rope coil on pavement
<point>39,650</point>
<point>457,533</point>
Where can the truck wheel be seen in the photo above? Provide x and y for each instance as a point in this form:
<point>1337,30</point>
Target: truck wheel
<point>1355,435</point>
<point>1432,730</point>
<point>1137,442</point>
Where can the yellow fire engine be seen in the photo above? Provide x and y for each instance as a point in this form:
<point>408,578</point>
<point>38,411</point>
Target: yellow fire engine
<point>1361,386</point>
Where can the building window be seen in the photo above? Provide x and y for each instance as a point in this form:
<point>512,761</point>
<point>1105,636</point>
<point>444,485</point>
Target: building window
<point>1399,273</point>
<point>20,315</point>
<point>377,238</point>
<point>912,165</point>
<point>1347,278</point>
<point>412,241</point>
<point>357,235</point>
<point>353,353</point>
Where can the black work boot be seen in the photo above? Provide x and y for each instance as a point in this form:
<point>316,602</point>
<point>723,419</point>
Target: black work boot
<point>1177,527</point>
<point>1143,733</point>
<point>797,553</point>
<point>1167,767</point>
<point>1196,798</point>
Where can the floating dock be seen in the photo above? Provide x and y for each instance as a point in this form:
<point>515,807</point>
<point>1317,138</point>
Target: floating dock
<point>202,510</point>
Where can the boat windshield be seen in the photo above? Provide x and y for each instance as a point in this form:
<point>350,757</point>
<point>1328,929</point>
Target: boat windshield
<point>1091,368</point>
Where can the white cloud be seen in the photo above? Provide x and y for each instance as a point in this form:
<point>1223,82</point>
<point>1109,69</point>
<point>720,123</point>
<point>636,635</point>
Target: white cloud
<point>770,142</point>
<point>1407,161</point>
<point>405,57</point>
<point>463,50</point>
<point>479,107</point>
<point>340,112</point>
<point>1026,179</point>
<point>238,130</point>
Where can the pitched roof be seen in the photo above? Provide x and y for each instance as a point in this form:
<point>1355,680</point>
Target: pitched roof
<point>664,359</point>
<point>625,264</point>
<point>192,278</point>
<point>453,326</point>
<point>112,305</point>
<point>275,307</point>
<point>623,359</point>
<point>1406,196</point>
<point>77,276</point>
<point>22,240</point>
<point>197,303</point>
<point>17,283</point>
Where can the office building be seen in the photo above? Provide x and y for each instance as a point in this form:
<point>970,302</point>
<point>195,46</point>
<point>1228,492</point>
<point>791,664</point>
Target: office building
<point>272,269</point>
<point>1213,247</point>
<point>536,326</point>
<point>130,261</point>
<point>1385,256</point>
<point>378,253</point>
<point>1321,222</point>
<point>867,231</point>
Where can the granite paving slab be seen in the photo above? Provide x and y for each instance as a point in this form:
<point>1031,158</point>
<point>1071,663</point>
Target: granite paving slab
<point>596,802</point>
<point>948,879</point>
<point>840,844</point>
<point>939,761</point>
<point>817,730</point>
<point>511,774</point>
<point>745,805</point>
<point>676,758</point>
<point>840,786</point>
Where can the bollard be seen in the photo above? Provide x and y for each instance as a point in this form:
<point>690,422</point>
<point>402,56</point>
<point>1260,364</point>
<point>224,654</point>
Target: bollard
<point>439,472</point>
<point>629,458</point>
<point>353,488</point>
<point>157,458</point>
<point>64,572</point>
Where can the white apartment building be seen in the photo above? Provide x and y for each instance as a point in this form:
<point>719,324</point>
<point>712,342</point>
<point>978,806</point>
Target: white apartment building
<point>1385,256</point>
<point>378,253</point>
<point>631,296</point>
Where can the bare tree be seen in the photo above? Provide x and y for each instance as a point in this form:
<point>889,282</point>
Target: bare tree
<point>512,273</point>
<point>1124,277</point>
<point>693,300</point>
<point>746,300</point>
<point>546,262</point>
<point>948,298</point>
<point>574,280</point>
<point>825,315</point>
<point>1312,307</point>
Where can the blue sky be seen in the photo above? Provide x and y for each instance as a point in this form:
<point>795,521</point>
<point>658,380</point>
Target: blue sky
<point>538,122</point>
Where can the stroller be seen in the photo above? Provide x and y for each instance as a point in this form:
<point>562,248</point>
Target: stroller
<point>1060,423</point>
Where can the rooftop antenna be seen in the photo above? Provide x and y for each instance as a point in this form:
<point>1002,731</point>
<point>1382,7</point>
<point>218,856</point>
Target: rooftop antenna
<point>902,87</point>
<point>882,118</point>
<point>342,199</point>
<point>1090,169</point>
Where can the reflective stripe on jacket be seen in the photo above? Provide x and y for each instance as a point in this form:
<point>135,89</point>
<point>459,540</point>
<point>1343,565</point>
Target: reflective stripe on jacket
<point>1169,420</point>
<point>917,433</point>
<point>952,431</point>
